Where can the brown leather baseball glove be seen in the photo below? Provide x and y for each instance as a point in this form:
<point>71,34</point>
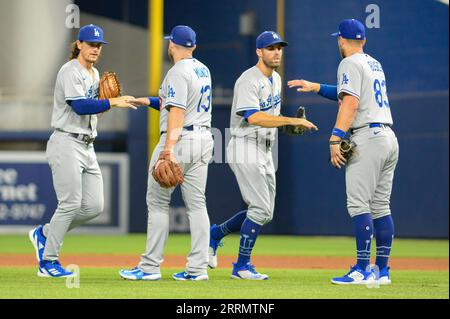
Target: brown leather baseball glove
<point>167,172</point>
<point>109,86</point>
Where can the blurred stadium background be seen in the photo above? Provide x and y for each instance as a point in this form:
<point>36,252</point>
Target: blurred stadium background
<point>411,42</point>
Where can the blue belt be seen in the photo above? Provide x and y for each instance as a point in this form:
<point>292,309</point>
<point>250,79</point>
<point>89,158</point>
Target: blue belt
<point>188,128</point>
<point>371,125</point>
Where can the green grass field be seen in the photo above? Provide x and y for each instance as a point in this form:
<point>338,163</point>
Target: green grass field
<point>22,282</point>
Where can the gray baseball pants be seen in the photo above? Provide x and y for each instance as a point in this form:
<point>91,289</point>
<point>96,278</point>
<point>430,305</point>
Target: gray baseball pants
<point>369,174</point>
<point>252,163</point>
<point>193,151</point>
<point>78,184</point>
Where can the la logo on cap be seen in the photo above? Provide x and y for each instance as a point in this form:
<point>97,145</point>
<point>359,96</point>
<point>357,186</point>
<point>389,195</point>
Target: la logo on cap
<point>96,33</point>
<point>275,36</point>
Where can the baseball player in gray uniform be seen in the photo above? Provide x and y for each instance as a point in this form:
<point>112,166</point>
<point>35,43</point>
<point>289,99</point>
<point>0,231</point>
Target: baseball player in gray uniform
<point>255,116</point>
<point>364,112</point>
<point>185,122</point>
<point>70,151</point>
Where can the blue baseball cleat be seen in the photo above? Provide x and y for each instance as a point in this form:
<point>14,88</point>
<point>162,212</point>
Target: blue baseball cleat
<point>247,272</point>
<point>49,268</point>
<point>184,276</point>
<point>383,277</point>
<point>356,276</point>
<point>213,246</point>
<point>38,240</point>
<point>137,274</point>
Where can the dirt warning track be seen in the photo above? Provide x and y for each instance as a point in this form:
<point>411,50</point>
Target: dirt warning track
<point>278,262</point>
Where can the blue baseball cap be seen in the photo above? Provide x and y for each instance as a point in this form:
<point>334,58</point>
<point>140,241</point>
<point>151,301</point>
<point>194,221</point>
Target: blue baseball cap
<point>268,38</point>
<point>351,29</point>
<point>183,35</point>
<point>91,33</point>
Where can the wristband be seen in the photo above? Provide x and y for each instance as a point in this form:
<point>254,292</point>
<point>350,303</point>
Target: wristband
<point>155,102</point>
<point>339,133</point>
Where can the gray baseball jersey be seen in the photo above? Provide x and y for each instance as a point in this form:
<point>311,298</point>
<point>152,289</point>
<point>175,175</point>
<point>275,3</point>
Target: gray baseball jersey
<point>362,76</point>
<point>253,90</point>
<point>187,85</point>
<point>248,155</point>
<point>74,83</point>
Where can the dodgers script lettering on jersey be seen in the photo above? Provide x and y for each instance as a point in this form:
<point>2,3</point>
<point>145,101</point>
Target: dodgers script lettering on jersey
<point>187,85</point>
<point>255,91</point>
<point>362,76</point>
<point>74,83</point>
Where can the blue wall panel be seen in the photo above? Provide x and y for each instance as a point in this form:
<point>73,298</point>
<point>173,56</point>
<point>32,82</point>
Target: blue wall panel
<point>216,23</point>
<point>412,45</point>
<point>316,197</point>
<point>311,195</point>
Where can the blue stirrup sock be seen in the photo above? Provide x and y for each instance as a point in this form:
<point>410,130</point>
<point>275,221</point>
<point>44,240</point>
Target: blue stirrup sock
<point>363,226</point>
<point>232,225</point>
<point>249,233</point>
<point>384,233</point>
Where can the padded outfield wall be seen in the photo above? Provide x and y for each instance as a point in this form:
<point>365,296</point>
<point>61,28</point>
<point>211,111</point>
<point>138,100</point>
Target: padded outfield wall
<point>412,45</point>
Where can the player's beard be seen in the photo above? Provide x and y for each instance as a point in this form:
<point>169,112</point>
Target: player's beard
<point>93,60</point>
<point>170,55</point>
<point>341,52</point>
<point>271,64</point>
<point>89,59</point>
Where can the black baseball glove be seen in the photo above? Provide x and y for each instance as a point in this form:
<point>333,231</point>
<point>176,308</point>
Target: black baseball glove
<point>347,148</point>
<point>293,130</point>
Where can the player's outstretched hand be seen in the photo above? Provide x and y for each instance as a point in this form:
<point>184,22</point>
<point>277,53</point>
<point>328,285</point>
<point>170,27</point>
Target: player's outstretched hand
<point>122,101</point>
<point>304,86</point>
<point>305,124</point>
<point>141,101</point>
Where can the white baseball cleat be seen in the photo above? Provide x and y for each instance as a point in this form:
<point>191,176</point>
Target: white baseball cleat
<point>356,276</point>
<point>184,276</point>
<point>384,278</point>
<point>247,272</point>
<point>137,274</point>
<point>53,268</point>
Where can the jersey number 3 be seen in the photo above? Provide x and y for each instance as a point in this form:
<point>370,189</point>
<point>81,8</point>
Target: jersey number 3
<point>380,97</point>
<point>205,100</point>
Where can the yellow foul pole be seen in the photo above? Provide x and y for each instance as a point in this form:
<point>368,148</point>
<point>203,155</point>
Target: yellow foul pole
<point>155,41</point>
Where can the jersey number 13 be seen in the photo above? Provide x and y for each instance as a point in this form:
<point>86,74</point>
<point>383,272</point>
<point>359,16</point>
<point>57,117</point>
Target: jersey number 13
<point>205,99</point>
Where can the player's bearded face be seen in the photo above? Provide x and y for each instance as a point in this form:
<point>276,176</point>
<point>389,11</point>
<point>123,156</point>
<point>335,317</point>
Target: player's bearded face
<point>272,56</point>
<point>90,51</point>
